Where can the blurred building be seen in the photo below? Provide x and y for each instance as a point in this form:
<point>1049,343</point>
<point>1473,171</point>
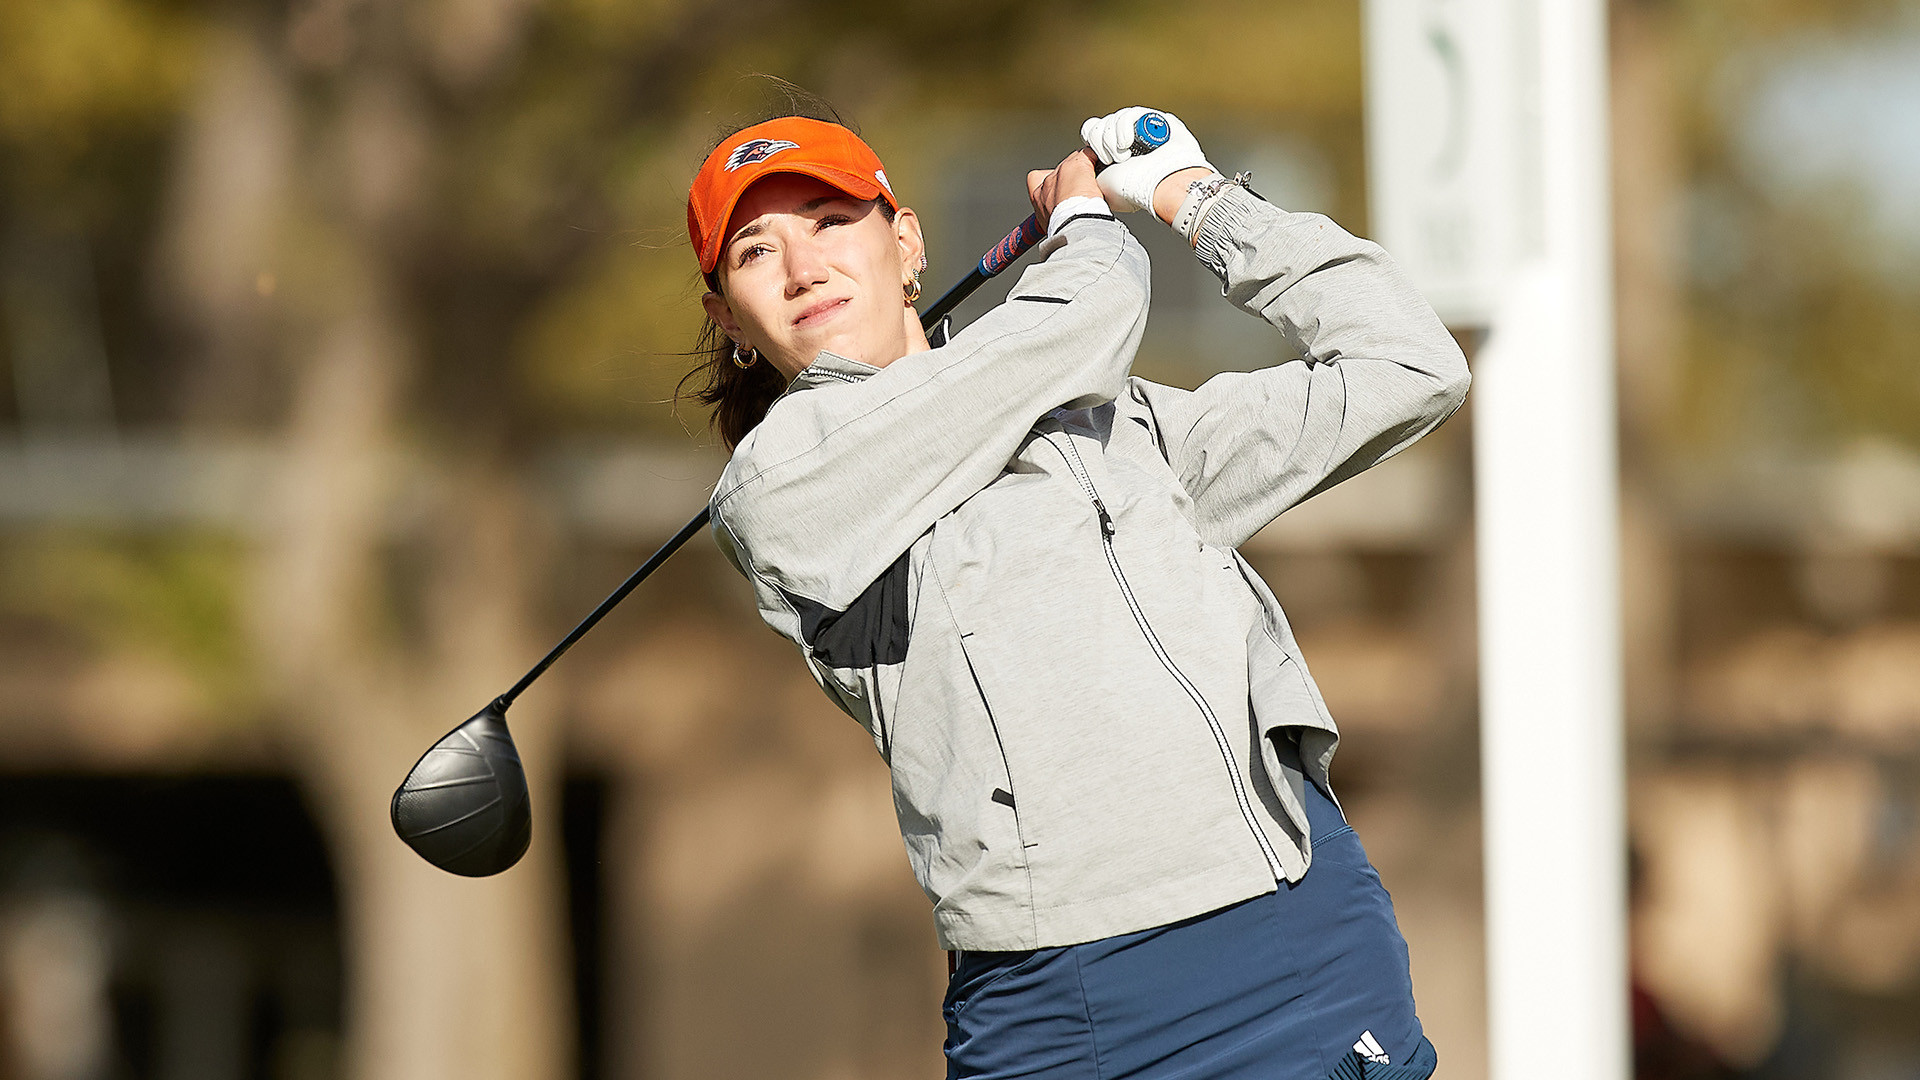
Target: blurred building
<point>338,342</point>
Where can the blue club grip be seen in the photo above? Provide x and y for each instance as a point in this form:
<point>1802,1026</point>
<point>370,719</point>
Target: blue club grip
<point>1150,132</point>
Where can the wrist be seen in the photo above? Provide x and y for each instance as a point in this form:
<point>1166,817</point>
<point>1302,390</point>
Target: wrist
<point>1172,191</point>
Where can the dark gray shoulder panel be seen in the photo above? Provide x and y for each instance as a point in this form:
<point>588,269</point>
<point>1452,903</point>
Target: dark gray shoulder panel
<point>872,630</point>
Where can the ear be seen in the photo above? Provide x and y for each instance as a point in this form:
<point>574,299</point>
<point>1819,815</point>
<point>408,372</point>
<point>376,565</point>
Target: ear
<point>722,315</point>
<point>906,229</point>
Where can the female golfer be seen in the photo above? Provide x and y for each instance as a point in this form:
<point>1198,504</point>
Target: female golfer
<point>1014,564</point>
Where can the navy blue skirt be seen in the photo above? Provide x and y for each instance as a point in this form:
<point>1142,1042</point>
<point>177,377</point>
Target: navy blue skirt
<point>1308,982</point>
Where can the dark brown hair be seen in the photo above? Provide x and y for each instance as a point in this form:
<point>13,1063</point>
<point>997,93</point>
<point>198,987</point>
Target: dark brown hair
<point>740,397</point>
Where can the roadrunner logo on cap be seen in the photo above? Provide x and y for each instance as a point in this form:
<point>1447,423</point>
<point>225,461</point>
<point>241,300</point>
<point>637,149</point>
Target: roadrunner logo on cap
<point>757,150</point>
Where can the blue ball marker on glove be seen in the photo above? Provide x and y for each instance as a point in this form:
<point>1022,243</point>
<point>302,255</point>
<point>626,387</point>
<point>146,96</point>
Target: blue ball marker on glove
<point>1149,133</point>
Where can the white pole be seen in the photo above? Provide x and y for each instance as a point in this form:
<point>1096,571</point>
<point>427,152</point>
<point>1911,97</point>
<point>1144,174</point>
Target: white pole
<point>1547,539</point>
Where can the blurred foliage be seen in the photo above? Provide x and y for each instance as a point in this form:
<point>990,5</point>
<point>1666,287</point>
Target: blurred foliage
<point>540,254</point>
<point>175,598</point>
<point>78,75</point>
<point>1799,340</point>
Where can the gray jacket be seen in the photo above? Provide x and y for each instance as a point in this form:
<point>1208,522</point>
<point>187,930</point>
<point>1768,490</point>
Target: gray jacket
<point>1015,566</point>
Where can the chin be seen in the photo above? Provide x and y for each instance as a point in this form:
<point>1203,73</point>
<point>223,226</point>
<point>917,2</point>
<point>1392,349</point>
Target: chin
<point>851,346</point>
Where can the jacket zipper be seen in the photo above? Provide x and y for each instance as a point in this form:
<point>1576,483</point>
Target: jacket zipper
<point>1079,470</point>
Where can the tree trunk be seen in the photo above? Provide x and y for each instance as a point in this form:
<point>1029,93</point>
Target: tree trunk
<point>445,977</point>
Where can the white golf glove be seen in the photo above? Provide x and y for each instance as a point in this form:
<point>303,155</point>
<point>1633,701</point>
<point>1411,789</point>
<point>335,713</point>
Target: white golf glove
<point>1128,181</point>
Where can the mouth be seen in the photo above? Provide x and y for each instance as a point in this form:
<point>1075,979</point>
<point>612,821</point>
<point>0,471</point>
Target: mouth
<point>818,313</point>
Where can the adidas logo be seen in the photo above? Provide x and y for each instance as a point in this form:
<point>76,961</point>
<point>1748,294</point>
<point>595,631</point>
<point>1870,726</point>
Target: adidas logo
<point>1369,1048</point>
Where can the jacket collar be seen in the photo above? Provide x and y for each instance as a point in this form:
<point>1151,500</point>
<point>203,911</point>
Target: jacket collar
<point>830,368</point>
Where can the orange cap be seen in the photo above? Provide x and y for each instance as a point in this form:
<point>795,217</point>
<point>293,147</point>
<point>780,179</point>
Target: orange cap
<point>790,144</point>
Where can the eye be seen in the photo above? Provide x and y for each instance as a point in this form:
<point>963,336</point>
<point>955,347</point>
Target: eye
<point>833,219</point>
<point>750,253</point>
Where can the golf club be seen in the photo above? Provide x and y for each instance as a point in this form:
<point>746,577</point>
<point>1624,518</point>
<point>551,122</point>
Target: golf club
<point>464,806</point>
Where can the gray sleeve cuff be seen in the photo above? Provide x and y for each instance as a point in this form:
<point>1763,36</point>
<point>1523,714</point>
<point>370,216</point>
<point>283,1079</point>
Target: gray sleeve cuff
<point>1224,217</point>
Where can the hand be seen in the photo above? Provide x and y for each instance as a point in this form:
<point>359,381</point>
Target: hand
<point>1129,181</point>
<point>1048,188</point>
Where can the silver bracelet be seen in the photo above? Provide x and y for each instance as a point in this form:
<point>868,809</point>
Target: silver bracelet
<point>1200,194</point>
<point>1209,188</point>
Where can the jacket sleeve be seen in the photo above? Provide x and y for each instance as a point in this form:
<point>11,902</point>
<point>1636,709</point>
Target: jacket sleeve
<point>1377,369</point>
<point>836,483</point>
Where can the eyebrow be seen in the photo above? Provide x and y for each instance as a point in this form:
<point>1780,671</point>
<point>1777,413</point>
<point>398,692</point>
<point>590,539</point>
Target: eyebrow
<point>807,207</point>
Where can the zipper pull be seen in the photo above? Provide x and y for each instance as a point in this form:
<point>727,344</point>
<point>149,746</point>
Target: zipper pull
<point>1106,520</point>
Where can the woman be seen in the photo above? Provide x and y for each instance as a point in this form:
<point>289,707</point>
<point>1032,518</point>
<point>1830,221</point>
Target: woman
<point>1015,566</point>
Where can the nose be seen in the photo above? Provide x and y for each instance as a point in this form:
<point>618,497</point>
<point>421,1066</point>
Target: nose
<point>806,268</point>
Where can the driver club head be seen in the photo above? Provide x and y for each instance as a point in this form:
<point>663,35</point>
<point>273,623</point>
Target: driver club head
<point>464,807</point>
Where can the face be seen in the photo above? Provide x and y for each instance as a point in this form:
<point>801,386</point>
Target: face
<point>807,267</point>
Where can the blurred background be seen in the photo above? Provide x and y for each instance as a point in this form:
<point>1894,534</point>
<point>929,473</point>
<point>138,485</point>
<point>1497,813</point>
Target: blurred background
<point>338,341</point>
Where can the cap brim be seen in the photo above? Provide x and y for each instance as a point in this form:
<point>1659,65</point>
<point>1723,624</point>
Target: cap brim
<point>860,187</point>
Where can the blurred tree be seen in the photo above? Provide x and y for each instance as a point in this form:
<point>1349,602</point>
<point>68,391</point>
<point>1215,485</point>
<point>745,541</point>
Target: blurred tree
<point>1798,336</point>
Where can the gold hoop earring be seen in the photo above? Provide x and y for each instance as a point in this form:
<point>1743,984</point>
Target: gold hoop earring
<point>752,357</point>
<point>912,287</point>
